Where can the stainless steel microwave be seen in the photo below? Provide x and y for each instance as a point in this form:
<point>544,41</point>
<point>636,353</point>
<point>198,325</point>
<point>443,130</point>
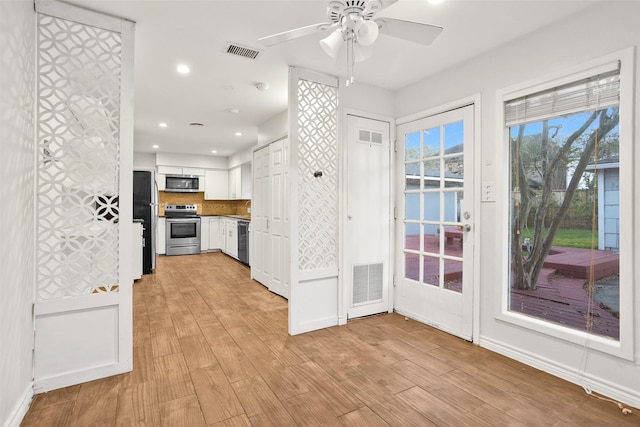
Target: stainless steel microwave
<point>181,183</point>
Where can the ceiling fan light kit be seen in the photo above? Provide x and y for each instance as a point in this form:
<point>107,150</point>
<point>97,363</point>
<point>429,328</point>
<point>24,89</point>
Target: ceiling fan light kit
<point>353,22</point>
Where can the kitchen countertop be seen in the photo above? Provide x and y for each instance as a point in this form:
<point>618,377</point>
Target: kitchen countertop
<point>242,217</point>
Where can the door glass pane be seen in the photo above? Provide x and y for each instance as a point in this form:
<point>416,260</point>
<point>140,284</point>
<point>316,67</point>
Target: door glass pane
<point>412,176</point>
<point>431,266</point>
<point>569,276</point>
<point>412,266</point>
<point>412,206</point>
<point>453,138</point>
<point>431,239</point>
<point>412,146</point>
<point>431,205</point>
<point>412,236</point>
<point>454,172</point>
<point>431,146</point>
<point>453,275</point>
<point>453,205</point>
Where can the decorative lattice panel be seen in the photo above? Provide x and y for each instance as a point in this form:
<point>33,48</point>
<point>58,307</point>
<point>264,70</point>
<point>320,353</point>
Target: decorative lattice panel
<point>78,154</point>
<point>317,195</point>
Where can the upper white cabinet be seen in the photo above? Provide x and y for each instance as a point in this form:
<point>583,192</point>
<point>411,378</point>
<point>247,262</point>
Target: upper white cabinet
<point>235,183</point>
<point>240,182</point>
<point>216,185</point>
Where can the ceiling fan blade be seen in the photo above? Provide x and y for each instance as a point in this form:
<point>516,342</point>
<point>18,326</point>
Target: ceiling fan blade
<point>376,6</point>
<point>416,32</point>
<point>293,34</point>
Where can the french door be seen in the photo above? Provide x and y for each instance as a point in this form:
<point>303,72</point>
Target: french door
<point>435,235</point>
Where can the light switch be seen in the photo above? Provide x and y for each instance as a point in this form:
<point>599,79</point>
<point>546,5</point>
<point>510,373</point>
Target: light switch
<point>488,191</point>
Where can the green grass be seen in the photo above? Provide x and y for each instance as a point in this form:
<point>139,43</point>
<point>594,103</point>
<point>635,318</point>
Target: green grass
<point>569,238</point>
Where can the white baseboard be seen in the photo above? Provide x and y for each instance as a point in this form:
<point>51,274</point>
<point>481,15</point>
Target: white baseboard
<point>20,410</point>
<point>568,373</point>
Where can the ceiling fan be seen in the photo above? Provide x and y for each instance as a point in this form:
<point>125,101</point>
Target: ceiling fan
<point>354,23</point>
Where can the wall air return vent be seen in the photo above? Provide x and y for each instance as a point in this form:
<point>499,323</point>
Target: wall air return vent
<point>370,137</point>
<point>239,50</point>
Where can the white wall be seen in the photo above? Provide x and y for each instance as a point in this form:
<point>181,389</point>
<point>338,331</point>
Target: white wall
<point>191,160</point>
<point>603,29</point>
<point>17,214</point>
<point>367,98</point>
<point>274,128</point>
<point>144,161</point>
<point>240,158</point>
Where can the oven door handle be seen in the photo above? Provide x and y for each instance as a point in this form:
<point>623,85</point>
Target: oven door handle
<point>183,219</point>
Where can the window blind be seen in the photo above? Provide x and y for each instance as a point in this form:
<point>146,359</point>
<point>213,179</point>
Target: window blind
<point>588,94</point>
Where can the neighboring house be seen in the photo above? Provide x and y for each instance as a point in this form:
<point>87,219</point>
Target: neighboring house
<point>608,175</point>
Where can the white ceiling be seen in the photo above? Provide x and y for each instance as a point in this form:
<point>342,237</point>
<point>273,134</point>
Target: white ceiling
<point>195,32</point>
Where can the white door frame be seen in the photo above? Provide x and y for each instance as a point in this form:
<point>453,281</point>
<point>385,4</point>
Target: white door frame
<point>345,271</point>
<point>478,164</point>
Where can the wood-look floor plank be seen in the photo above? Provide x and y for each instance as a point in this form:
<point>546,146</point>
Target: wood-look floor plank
<point>248,341</point>
<point>239,421</point>
<point>97,401</point>
<point>172,377</point>
<point>439,411</point>
<point>363,417</point>
<point>258,400</point>
<point>398,413</point>
<point>197,352</point>
<point>164,341</point>
<point>184,411</point>
<point>309,411</point>
<point>138,405</point>
<point>233,362</point>
<point>54,415</point>
<point>217,399</point>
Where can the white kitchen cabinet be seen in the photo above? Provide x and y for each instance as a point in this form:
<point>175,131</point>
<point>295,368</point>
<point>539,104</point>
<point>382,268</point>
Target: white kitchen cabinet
<point>231,238</point>
<point>216,185</point>
<point>161,236</point>
<point>170,170</point>
<point>245,186</point>
<point>137,254</point>
<point>235,183</point>
<point>216,233</point>
<point>193,171</point>
<point>204,233</point>
<point>161,181</point>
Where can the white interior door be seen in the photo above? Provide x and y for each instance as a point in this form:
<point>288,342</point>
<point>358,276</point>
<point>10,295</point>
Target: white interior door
<point>276,220</point>
<point>369,216</point>
<point>260,252</point>
<point>435,245</point>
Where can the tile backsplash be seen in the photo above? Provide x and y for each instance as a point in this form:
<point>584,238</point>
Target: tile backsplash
<point>205,207</point>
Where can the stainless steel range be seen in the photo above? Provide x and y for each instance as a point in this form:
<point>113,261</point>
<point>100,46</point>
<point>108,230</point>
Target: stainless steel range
<point>183,229</point>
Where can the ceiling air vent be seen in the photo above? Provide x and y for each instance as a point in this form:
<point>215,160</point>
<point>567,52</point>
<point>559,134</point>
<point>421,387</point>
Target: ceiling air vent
<point>239,50</point>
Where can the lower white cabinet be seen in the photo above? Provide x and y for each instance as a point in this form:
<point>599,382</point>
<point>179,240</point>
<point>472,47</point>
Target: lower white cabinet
<point>204,233</point>
<point>216,233</point>
<point>231,238</point>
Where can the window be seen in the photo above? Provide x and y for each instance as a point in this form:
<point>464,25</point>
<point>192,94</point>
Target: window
<point>565,220</point>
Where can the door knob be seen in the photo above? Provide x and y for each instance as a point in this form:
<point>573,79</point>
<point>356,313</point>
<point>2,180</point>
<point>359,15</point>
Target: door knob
<point>467,227</point>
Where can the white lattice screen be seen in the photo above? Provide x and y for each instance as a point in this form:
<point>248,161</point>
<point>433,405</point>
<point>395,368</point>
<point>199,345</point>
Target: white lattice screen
<point>317,194</point>
<point>78,114</point>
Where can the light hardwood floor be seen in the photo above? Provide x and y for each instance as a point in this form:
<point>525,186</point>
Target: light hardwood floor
<point>211,348</point>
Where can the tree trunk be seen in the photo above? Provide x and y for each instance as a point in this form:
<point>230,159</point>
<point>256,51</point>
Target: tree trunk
<point>526,275</point>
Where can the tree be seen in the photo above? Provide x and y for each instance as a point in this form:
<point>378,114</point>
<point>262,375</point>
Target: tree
<point>579,148</point>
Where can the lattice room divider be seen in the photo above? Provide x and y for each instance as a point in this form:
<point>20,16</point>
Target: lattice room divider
<point>83,198</point>
<point>313,121</point>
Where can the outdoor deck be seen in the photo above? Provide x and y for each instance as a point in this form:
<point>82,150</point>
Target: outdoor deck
<point>560,296</point>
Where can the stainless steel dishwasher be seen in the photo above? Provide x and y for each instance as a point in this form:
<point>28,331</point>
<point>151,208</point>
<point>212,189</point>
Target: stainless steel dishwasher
<point>243,242</point>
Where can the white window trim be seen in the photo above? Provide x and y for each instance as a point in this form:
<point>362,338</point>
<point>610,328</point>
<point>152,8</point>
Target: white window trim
<point>624,348</point>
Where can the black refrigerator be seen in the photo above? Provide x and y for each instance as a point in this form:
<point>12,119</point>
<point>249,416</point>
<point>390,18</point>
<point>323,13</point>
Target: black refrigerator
<point>145,203</point>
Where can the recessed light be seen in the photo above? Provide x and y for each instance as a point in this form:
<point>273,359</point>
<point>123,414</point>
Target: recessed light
<point>155,146</point>
<point>162,124</point>
<point>262,86</point>
<point>234,110</point>
<point>183,69</point>
<point>214,151</point>
<point>435,1</point>
<point>238,133</point>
